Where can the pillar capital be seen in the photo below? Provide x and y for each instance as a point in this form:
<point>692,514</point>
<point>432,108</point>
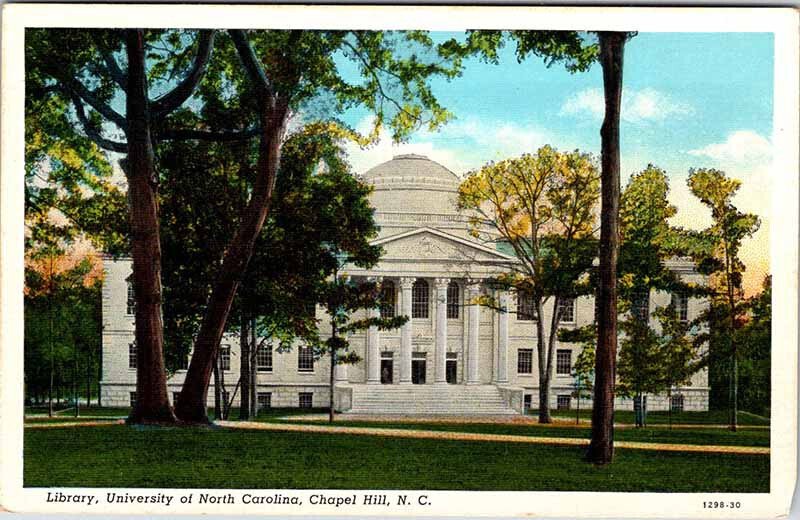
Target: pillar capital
<point>407,282</point>
<point>441,283</point>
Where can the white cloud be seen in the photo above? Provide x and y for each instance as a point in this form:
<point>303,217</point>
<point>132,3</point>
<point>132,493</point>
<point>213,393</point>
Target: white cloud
<point>742,147</point>
<point>638,106</point>
<point>461,146</point>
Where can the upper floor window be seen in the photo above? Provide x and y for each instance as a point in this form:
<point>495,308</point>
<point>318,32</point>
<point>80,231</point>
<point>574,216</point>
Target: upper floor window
<point>567,306</point>
<point>264,358</point>
<point>526,308</point>
<point>640,305</point>
<point>452,300</point>
<point>305,359</point>
<point>132,355</point>
<point>563,362</point>
<point>388,300</point>
<point>130,304</point>
<point>419,299</point>
<point>525,361</point>
<point>681,304</point>
<point>225,357</point>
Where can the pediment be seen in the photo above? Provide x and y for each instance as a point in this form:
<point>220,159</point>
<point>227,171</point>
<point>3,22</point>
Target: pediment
<point>432,244</point>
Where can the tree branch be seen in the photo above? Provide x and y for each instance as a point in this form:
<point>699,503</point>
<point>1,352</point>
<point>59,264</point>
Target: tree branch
<point>92,132</point>
<point>251,64</point>
<point>206,135</point>
<point>113,68</point>
<point>177,96</point>
<point>77,88</point>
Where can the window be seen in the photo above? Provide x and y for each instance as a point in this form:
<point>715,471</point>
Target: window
<point>305,359</point>
<point>676,403</point>
<point>133,399</point>
<point>525,361</point>
<point>264,400</point>
<point>640,305</point>
<point>563,402</point>
<point>225,396</point>
<point>264,358</point>
<point>567,306</point>
<point>184,362</point>
<point>132,355</point>
<point>130,306</point>
<point>526,403</point>
<point>681,304</point>
<point>225,357</point>
<point>175,398</point>
<point>563,362</point>
<point>452,301</point>
<point>388,300</point>
<point>526,310</point>
<point>419,299</point>
<point>306,399</point>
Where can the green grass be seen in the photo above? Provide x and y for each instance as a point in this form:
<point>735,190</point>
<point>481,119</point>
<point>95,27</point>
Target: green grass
<point>660,417</point>
<point>655,434</point>
<point>121,456</point>
<point>94,411</point>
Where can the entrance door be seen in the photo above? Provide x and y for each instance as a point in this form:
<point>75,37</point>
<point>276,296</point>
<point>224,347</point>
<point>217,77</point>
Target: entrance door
<point>451,371</point>
<point>418,371</point>
<point>387,369</point>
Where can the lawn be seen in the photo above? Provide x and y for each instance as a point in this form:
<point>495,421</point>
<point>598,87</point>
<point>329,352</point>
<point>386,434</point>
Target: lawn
<point>655,434</point>
<point>121,456</point>
<point>661,417</point>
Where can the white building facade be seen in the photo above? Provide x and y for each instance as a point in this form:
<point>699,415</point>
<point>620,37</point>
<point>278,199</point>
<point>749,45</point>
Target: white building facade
<point>451,357</point>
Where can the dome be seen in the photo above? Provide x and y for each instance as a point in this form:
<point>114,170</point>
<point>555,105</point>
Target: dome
<point>413,184</point>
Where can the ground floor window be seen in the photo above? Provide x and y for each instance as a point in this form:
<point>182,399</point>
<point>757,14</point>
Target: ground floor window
<point>306,399</point>
<point>676,403</point>
<point>526,403</point>
<point>133,399</point>
<point>175,398</point>
<point>563,402</point>
<point>225,397</point>
<point>264,400</point>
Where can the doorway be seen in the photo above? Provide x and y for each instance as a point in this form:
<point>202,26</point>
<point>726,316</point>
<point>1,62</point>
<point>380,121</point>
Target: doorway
<point>451,368</point>
<point>418,368</point>
<point>387,368</point>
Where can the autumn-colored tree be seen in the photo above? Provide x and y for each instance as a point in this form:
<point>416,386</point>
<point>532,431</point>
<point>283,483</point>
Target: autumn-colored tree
<point>543,207</point>
<point>722,263</point>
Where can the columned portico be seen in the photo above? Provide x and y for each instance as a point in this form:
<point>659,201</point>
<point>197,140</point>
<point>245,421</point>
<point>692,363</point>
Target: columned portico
<point>405,331</point>
<point>473,290</point>
<point>373,351</point>
<point>502,338</point>
<point>440,348</point>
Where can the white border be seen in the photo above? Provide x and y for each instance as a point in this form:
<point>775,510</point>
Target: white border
<point>784,240</point>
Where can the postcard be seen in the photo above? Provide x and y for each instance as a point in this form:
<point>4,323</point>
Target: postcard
<point>399,261</point>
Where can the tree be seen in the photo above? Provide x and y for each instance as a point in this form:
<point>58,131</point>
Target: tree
<point>542,206</point>
<point>755,342</point>
<point>601,446</point>
<point>288,70</point>
<point>722,264</point>
<point>63,58</point>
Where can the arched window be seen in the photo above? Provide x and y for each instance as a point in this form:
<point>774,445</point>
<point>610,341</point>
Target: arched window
<point>387,300</point>
<point>452,301</point>
<point>419,299</point>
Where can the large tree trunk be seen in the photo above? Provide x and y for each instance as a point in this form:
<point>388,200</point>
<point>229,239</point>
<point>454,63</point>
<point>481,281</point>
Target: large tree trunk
<point>152,404</point>
<point>601,447</point>
<point>541,357</point>
<point>191,403</point>
<point>244,369</point>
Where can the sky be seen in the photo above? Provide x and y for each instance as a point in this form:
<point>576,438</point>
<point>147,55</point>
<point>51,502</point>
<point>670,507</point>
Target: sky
<point>690,100</point>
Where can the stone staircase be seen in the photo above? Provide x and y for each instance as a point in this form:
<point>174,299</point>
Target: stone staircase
<point>431,399</point>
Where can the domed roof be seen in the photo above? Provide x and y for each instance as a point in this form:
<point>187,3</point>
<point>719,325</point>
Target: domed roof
<point>412,171</point>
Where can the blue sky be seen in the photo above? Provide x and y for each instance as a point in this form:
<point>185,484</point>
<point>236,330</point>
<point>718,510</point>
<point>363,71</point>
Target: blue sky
<point>690,100</point>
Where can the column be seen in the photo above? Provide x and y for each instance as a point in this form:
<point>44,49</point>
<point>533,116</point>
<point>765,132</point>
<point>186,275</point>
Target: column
<point>373,351</point>
<point>473,291</point>
<point>440,285</point>
<point>502,338</point>
<point>405,331</point>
